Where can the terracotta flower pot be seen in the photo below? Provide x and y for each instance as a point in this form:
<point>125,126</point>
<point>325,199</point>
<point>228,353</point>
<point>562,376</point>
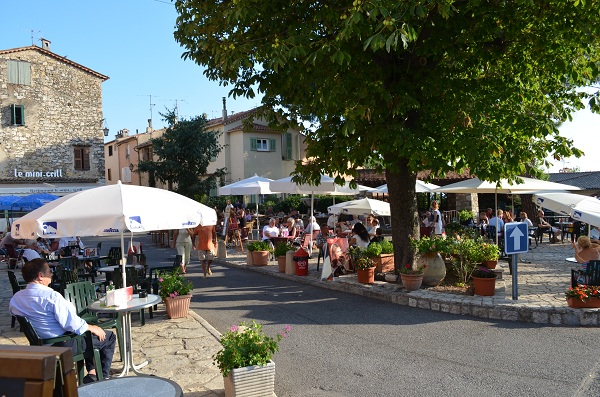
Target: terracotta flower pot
<point>490,264</point>
<point>178,307</point>
<point>411,282</point>
<point>366,276</point>
<point>281,263</point>
<point>589,303</point>
<point>485,286</point>
<point>260,258</point>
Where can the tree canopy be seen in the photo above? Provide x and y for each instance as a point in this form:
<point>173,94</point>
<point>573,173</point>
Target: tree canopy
<point>183,156</point>
<point>408,85</point>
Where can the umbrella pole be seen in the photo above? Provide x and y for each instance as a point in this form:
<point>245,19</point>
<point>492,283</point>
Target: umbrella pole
<point>123,259</point>
<point>496,205</point>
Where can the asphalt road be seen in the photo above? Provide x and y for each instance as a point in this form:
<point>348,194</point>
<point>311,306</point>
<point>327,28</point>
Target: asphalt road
<point>347,345</point>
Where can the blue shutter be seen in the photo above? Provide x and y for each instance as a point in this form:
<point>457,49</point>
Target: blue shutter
<point>253,144</point>
<point>272,143</point>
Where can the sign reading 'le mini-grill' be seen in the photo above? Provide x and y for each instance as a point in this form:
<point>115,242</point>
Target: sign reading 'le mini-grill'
<point>38,174</point>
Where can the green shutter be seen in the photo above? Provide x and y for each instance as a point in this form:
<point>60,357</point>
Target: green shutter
<point>272,143</point>
<point>288,146</point>
<point>24,73</point>
<point>253,144</point>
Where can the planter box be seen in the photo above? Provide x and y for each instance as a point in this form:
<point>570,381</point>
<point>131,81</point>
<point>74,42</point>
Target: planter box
<point>253,381</point>
<point>260,258</point>
<point>178,307</point>
<point>384,263</point>
<point>590,303</point>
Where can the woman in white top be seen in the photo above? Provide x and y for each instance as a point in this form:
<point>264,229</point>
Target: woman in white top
<point>360,236</point>
<point>374,227</point>
<point>437,218</point>
<point>312,226</point>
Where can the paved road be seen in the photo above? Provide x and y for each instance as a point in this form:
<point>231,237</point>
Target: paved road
<point>347,345</point>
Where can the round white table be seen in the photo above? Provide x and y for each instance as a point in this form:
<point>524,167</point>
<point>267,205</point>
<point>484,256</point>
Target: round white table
<point>132,386</point>
<point>134,304</point>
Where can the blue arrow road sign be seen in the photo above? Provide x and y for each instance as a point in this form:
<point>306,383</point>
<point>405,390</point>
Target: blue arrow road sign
<point>516,238</point>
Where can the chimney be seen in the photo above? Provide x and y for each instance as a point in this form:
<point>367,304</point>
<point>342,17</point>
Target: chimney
<point>149,128</point>
<point>224,110</point>
<point>45,44</point>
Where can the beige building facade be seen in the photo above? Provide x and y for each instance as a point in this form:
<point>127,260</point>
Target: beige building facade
<point>51,123</point>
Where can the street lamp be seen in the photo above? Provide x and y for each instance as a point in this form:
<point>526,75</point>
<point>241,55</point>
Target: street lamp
<point>105,128</point>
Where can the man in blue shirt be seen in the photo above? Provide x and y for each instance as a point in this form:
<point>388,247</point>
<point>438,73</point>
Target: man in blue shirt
<point>497,222</point>
<point>52,315</point>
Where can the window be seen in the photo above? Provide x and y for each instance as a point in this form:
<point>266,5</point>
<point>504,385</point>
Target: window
<point>19,72</point>
<point>81,156</point>
<point>262,145</point>
<point>109,174</point>
<point>110,150</point>
<point>17,114</point>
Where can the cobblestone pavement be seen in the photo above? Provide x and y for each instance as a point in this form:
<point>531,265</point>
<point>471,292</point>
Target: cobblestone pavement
<point>182,349</point>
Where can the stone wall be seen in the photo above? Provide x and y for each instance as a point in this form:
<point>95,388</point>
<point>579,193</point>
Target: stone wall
<point>63,109</point>
<point>467,202</point>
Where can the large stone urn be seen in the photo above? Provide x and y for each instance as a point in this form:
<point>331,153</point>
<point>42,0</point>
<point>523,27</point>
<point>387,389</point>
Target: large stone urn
<point>434,269</point>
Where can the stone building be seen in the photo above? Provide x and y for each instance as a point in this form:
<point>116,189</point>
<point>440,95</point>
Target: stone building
<point>51,123</point>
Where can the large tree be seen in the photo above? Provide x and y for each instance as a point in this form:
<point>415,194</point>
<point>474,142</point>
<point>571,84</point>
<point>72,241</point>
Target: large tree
<point>406,85</point>
<point>183,155</point>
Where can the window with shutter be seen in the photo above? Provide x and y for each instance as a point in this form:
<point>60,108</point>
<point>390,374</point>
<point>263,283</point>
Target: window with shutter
<point>109,174</point>
<point>81,157</point>
<point>19,72</point>
<point>272,143</point>
<point>253,144</point>
<point>288,147</point>
<point>17,114</point>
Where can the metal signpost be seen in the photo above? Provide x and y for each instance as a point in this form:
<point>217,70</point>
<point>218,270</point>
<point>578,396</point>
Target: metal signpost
<point>516,241</point>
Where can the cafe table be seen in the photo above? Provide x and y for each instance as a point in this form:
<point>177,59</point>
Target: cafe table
<point>110,269</point>
<point>132,386</point>
<point>135,304</point>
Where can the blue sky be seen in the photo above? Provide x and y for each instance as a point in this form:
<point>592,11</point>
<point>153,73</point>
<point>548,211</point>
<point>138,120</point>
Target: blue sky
<point>131,42</point>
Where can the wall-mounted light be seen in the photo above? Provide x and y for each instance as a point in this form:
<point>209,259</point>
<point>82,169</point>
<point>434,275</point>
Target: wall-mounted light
<point>131,167</point>
<point>105,127</point>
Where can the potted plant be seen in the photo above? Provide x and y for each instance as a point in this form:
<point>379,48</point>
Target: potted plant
<point>412,276</point>
<point>489,254</point>
<point>365,270</point>
<point>583,296</point>
<point>430,259</point>
<point>466,254</point>
<point>484,281</point>
<point>466,217</point>
<point>245,359</point>
<point>281,250</point>
<point>175,290</point>
<point>260,252</point>
<point>382,254</point>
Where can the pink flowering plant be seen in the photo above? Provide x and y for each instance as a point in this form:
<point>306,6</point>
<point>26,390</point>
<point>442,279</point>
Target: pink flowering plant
<point>172,284</point>
<point>246,345</point>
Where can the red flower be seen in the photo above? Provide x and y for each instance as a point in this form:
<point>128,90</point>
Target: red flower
<point>408,266</point>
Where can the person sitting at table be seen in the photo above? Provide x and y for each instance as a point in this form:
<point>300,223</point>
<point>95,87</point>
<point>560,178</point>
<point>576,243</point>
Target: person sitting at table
<point>292,231</point>
<point>321,239</point>
<point>270,230</point>
<point>360,236</point>
<point>584,252</point>
<point>378,238</point>
<point>374,227</point>
<point>483,219</point>
<point>69,242</point>
<point>507,217</point>
<point>30,252</point>
<point>312,226</point>
<point>427,220</point>
<point>544,225</point>
<point>525,219</point>
<point>497,222</point>
<point>51,315</point>
<point>332,221</point>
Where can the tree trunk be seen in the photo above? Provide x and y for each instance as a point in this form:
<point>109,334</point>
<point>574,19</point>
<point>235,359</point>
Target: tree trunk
<point>528,206</point>
<point>403,205</point>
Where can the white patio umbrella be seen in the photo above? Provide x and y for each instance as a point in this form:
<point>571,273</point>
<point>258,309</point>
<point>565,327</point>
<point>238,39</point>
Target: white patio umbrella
<point>245,187</point>
<point>110,210</point>
<point>529,185</point>
<point>420,187</point>
<point>581,208</point>
<point>361,207</point>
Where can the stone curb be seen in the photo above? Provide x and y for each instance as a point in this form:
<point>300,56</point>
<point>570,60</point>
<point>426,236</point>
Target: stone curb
<point>494,308</point>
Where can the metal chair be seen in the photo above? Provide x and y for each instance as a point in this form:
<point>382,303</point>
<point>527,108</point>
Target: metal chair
<point>589,275</point>
<point>16,287</point>
<point>114,256</point>
<point>63,276</point>
<point>138,285</point>
<point>81,295</point>
<point>79,357</point>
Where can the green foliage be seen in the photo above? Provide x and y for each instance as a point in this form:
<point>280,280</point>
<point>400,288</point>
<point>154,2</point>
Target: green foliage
<point>364,263</point>
<point>172,284</point>
<point>293,201</point>
<point>466,254</point>
<point>375,249</point>
<point>259,246</point>
<point>465,215</point>
<point>355,253</point>
<point>405,86</point>
<point>454,229</point>
<point>282,248</point>
<point>246,345</point>
<point>489,251</point>
<point>412,269</point>
<point>183,155</point>
<point>429,245</point>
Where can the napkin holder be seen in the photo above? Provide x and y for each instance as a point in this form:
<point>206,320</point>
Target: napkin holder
<point>119,297</point>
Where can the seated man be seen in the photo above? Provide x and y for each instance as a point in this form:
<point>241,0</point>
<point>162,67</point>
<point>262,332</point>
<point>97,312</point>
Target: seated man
<point>497,222</point>
<point>31,250</point>
<point>51,315</point>
<point>270,230</point>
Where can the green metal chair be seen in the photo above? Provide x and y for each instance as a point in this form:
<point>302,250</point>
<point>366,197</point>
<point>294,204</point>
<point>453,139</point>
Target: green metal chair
<point>133,280</point>
<point>62,277</point>
<point>79,358</point>
<point>81,295</point>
